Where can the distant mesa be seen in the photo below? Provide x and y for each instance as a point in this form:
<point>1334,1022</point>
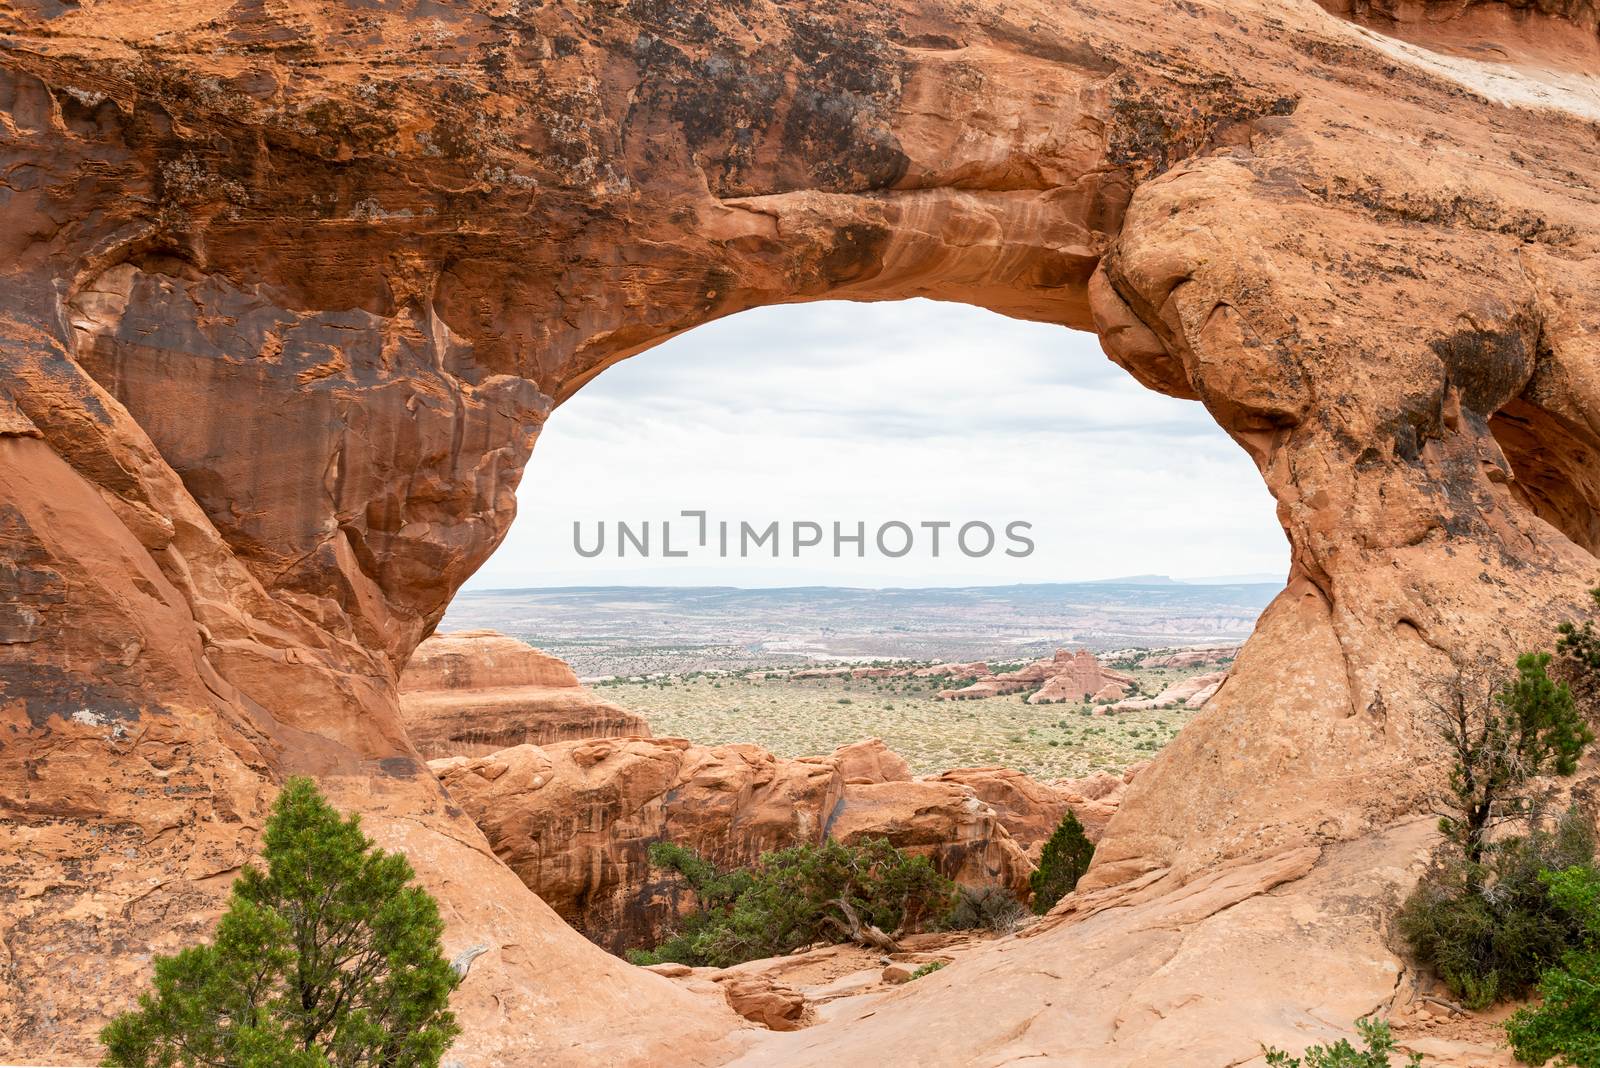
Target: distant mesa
<point>473,692</point>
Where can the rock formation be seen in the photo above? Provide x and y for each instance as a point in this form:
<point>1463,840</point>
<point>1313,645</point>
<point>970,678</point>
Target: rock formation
<point>288,289</point>
<point>1192,692</point>
<point>943,821</point>
<point>1066,676</point>
<point>1191,658</point>
<point>575,820</point>
<point>871,761</point>
<point>474,692</point>
<point>1029,810</point>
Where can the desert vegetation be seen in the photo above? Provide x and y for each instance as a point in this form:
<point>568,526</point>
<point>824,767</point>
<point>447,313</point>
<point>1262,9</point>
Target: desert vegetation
<point>798,716</point>
<point>869,894</point>
<point>1511,901</point>
<point>327,958</point>
<point>1377,1042</point>
<point>1565,1025</point>
<point>1062,862</point>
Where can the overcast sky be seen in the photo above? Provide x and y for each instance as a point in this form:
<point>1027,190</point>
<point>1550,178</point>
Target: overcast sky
<point>906,412</point>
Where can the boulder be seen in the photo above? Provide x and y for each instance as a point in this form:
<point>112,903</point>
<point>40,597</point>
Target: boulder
<point>764,1000</point>
<point>898,972</point>
<point>871,761</point>
<point>469,693</point>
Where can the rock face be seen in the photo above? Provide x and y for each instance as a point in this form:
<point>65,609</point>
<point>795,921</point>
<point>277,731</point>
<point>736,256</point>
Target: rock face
<point>943,821</point>
<point>1030,810</point>
<point>279,333</point>
<point>575,821</point>
<point>474,692</point>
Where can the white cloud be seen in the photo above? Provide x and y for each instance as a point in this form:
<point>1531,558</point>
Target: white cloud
<point>873,412</point>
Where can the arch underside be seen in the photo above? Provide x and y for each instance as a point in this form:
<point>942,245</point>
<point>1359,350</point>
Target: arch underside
<point>279,335</point>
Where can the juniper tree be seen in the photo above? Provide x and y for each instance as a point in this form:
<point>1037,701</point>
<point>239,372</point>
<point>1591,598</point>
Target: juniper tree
<point>1503,738</point>
<point>1062,862</point>
<point>327,958</point>
<point>869,893</point>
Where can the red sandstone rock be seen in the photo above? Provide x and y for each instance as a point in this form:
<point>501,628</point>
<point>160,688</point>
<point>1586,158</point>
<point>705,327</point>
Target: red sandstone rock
<point>1066,676</point>
<point>1192,692</point>
<point>1028,809</point>
<point>764,1000</point>
<point>575,820</point>
<point>943,821</point>
<point>871,761</point>
<point>971,670</point>
<point>278,334</point>
<point>1189,658</point>
<point>474,692</point>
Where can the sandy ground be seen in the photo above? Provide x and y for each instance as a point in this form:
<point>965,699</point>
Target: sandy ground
<point>807,717</point>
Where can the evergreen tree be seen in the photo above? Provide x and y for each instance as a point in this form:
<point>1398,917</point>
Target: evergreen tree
<point>329,958</point>
<point>1503,740</point>
<point>869,893</point>
<point>1062,862</point>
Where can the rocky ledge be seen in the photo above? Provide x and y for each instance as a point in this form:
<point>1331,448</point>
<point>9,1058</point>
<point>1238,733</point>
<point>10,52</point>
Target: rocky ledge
<point>473,692</point>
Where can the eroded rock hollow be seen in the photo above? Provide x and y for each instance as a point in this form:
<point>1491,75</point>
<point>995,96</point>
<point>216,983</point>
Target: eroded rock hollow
<point>287,289</point>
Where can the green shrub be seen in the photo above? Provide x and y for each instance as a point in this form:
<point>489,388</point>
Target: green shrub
<point>1578,659</point>
<point>1375,1033</point>
<point>988,908</point>
<point>1062,862</point>
<point>1566,1025</point>
<point>1488,930</point>
<point>868,893</point>
<point>927,969</point>
<point>329,957</point>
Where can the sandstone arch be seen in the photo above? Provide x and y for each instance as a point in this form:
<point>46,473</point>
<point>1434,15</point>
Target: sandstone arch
<point>280,319</point>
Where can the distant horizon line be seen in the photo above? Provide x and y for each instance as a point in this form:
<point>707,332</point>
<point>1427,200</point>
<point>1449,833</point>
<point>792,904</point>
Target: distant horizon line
<point>1150,581</point>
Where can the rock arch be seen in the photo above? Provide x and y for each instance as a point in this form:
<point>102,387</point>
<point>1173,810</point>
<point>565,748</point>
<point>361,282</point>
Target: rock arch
<point>281,320</point>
